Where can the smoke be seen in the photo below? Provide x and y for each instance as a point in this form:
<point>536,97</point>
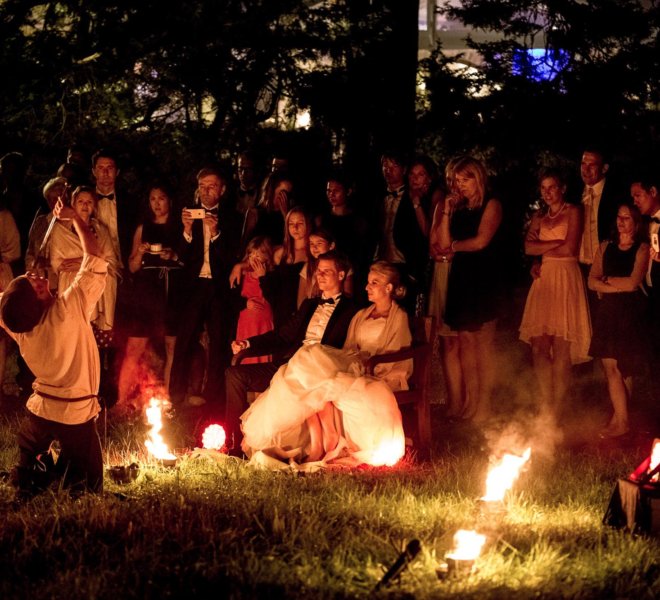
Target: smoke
<point>520,419</point>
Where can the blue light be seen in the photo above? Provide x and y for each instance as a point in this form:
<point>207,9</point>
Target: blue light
<point>539,64</point>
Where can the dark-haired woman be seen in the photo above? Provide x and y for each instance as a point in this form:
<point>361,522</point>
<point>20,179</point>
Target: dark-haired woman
<point>620,338</point>
<point>556,318</point>
<point>154,309</point>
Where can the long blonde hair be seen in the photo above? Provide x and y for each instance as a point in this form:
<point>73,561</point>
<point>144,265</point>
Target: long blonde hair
<point>289,249</point>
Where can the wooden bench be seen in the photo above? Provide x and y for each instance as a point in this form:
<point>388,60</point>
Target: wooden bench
<point>417,396</point>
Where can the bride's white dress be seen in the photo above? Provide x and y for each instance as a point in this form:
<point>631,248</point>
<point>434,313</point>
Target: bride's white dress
<point>366,413</point>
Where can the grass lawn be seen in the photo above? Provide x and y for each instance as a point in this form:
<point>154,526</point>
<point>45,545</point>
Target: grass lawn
<point>212,529</point>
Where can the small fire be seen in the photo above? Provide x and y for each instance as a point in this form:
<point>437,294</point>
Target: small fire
<point>388,453</point>
<point>502,476</point>
<point>467,545</point>
<point>214,437</point>
<point>655,460</point>
<point>155,443</point>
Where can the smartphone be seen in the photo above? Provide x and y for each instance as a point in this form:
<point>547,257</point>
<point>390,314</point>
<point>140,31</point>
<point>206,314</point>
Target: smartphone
<point>196,213</point>
<point>654,242</point>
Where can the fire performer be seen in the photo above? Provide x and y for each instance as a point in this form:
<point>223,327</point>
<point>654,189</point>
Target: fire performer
<point>56,340</point>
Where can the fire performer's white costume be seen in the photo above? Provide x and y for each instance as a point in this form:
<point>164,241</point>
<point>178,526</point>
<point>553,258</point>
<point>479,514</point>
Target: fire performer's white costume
<point>365,412</point>
<point>61,351</point>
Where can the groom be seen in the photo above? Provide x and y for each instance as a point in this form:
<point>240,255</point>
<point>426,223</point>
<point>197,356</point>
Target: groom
<point>322,320</point>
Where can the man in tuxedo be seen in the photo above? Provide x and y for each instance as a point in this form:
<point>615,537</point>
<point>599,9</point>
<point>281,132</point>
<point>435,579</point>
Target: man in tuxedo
<point>402,241</point>
<point>321,320</point>
<point>600,198</point>
<point>208,248</point>
<point>115,209</point>
<point>118,212</point>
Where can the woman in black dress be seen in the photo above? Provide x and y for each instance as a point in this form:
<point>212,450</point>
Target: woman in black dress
<point>469,223</point>
<point>619,336</point>
<point>155,292</point>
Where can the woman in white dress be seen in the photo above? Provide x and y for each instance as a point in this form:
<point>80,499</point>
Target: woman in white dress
<point>66,255</point>
<point>556,317</point>
<point>320,407</point>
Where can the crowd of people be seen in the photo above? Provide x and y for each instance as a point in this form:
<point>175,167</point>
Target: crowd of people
<point>304,295</point>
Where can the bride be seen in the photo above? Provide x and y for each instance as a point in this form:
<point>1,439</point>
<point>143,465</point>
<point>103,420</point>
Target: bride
<point>321,408</point>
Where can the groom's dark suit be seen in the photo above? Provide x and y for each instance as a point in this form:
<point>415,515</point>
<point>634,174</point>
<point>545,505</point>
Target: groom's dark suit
<point>282,344</point>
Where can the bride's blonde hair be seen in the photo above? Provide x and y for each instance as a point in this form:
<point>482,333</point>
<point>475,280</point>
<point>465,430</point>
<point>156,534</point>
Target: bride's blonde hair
<point>393,276</point>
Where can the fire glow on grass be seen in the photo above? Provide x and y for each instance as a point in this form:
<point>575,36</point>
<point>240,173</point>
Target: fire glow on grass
<point>214,437</point>
<point>154,442</point>
<point>467,545</point>
<point>503,475</point>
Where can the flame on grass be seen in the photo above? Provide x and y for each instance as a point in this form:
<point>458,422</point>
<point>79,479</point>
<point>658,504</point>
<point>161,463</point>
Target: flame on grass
<point>467,545</point>
<point>503,475</point>
<point>214,437</point>
<point>655,460</point>
<point>154,442</point>
<point>388,453</point>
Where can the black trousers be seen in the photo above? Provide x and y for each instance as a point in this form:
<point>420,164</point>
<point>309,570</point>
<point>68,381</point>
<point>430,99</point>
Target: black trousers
<point>239,381</point>
<point>203,305</point>
<point>80,462</point>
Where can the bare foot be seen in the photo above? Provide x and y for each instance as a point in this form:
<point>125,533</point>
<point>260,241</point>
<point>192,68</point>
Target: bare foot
<point>614,429</point>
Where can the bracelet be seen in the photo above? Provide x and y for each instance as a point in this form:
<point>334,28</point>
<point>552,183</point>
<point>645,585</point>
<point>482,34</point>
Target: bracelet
<point>452,246</point>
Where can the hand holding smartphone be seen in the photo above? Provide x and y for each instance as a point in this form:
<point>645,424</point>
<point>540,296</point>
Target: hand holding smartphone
<point>196,213</point>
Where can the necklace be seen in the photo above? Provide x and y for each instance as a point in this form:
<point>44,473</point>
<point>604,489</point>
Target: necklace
<point>551,216</point>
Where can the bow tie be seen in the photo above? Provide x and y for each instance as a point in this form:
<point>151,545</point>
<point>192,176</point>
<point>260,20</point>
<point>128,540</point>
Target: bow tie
<point>655,219</point>
<point>394,193</point>
<point>110,196</point>
<point>327,300</point>
<point>212,211</point>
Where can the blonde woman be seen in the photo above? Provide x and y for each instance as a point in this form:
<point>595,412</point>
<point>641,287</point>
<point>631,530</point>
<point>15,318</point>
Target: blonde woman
<point>66,254</point>
<point>469,222</point>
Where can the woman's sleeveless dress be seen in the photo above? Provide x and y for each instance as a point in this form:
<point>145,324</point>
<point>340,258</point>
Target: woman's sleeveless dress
<point>474,282</point>
<point>557,301</point>
<point>620,328</point>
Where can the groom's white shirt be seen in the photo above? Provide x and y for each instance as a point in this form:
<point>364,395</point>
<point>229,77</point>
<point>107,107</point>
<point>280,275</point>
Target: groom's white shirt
<point>319,321</point>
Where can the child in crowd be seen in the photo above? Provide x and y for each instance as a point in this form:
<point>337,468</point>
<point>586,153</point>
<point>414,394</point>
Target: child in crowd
<point>320,241</point>
<point>257,316</point>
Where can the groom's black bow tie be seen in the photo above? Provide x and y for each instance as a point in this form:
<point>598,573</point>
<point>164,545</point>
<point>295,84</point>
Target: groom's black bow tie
<point>326,300</point>
<point>212,211</point>
<point>110,196</point>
